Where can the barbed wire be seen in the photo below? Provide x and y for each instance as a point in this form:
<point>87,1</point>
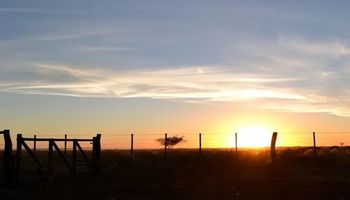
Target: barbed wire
<point>144,140</point>
<point>123,134</point>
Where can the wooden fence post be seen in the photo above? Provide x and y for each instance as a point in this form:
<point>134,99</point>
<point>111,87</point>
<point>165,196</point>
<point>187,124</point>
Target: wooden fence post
<point>98,153</point>
<point>65,144</point>
<point>75,155</point>
<point>273,148</point>
<point>8,159</point>
<point>96,146</point>
<point>34,147</point>
<point>50,161</point>
<point>236,143</point>
<point>18,157</point>
<point>165,145</point>
<point>231,147</point>
<point>314,148</point>
<point>132,147</point>
<point>200,143</point>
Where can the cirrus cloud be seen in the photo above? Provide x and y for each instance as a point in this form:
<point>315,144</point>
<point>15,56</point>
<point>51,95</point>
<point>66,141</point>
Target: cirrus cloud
<point>293,74</point>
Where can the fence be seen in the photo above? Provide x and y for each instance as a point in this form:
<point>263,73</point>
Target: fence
<point>12,167</point>
<point>121,140</point>
<point>134,142</point>
<point>233,141</point>
<point>200,141</point>
<point>96,152</point>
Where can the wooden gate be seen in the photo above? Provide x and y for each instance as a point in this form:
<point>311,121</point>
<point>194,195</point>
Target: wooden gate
<point>72,166</point>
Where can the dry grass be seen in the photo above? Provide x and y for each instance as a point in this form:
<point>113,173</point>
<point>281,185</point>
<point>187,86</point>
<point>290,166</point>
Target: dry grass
<point>217,174</point>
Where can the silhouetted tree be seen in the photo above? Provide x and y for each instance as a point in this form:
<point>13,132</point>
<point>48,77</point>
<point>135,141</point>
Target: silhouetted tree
<point>170,141</point>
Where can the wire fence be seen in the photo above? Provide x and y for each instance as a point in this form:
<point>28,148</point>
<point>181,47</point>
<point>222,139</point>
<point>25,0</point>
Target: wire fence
<point>122,140</point>
<point>228,140</point>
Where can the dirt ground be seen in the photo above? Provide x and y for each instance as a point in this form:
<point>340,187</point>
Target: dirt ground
<point>217,174</point>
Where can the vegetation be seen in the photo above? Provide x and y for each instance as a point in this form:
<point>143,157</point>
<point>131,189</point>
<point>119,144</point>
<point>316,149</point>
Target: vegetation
<point>170,141</point>
<point>184,174</point>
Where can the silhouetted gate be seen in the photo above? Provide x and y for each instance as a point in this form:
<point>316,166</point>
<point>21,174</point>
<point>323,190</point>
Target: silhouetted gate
<point>94,163</point>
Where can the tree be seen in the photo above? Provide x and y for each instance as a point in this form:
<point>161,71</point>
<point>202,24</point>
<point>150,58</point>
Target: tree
<point>170,141</point>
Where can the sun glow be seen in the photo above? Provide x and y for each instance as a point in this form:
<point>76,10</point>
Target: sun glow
<point>253,137</point>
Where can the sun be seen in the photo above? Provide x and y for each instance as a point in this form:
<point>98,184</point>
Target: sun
<point>252,136</point>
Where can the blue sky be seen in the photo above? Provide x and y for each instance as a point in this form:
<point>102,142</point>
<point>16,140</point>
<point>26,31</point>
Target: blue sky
<point>177,57</point>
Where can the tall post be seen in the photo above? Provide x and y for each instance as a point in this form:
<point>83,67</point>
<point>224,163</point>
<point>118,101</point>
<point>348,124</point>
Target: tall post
<point>314,148</point>
<point>65,144</point>
<point>236,143</point>
<point>200,143</point>
<point>96,142</point>
<point>50,161</point>
<point>75,154</point>
<point>8,158</point>
<point>231,146</point>
<point>34,146</point>
<point>273,148</point>
<point>165,144</point>
<point>98,153</point>
<point>94,151</point>
<point>132,146</point>
<point>18,157</point>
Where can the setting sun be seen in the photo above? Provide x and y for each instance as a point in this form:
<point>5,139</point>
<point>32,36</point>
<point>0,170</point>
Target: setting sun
<point>253,137</point>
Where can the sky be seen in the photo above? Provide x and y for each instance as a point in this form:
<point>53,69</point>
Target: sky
<point>182,67</point>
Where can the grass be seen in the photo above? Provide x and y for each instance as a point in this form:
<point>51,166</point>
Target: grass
<point>217,174</point>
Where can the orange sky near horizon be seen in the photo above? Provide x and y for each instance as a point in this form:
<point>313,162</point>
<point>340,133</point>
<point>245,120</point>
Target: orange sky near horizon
<point>216,125</point>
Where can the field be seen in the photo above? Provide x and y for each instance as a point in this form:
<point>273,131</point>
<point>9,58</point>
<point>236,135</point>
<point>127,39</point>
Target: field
<point>216,174</point>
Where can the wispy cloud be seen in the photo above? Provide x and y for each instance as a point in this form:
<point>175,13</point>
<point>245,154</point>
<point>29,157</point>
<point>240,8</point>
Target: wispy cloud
<point>101,48</point>
<point>179,83</point>
<point>75,35</point>
<point>67,70</point>
<point>334,48</point>
<point>291,76</point>
<point>21,10</point>
<point>188,84</point>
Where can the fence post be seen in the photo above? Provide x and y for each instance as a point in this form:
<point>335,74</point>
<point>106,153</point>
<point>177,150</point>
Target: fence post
<point>50,162</point>
<point>94,151</point>
<point>273,148</point>
<point>200,143</point>
<point>75,155</point>
<point>18,157</point>
<point>132,147</point>
<point>97,152</point>
<point>165,145</point>
<point>8,158</point>
<point>34,147</point>
<point>314,148</point>
<point>231,146</point>
<point>65,144</point>
<point>236,142</point>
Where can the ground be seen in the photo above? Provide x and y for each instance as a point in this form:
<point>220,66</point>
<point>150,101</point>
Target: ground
<point>184,174</point>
